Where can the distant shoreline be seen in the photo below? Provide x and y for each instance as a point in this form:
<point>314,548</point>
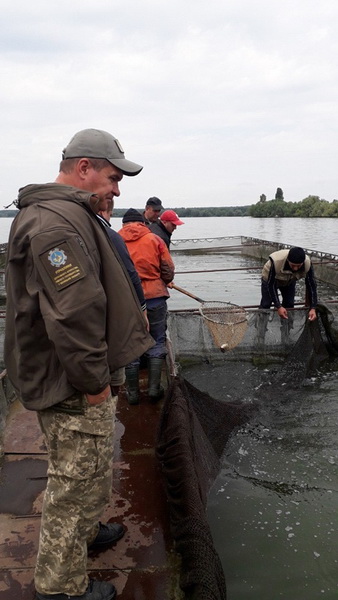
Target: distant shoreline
<point>8,213</point>
<point>261,210</point>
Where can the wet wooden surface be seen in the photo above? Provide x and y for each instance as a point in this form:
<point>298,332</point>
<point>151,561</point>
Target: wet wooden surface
<point>143,565</point>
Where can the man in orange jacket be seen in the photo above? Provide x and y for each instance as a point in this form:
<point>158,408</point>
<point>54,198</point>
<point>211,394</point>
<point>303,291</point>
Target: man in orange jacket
<point>155,267</point>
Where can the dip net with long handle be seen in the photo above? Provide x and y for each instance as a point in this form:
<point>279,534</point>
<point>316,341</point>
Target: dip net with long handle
<point>226,322</point>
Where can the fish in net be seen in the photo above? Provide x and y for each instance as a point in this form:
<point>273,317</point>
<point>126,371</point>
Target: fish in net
<point>226,322</point>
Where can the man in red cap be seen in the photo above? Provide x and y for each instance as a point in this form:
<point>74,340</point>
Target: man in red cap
<point>165,226</point>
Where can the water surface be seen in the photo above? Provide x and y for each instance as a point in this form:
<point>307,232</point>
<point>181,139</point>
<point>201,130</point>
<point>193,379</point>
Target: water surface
<point>314,234</point>
<point>273,507</point>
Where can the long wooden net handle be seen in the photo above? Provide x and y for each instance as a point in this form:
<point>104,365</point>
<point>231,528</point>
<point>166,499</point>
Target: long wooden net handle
<point>179,289</point>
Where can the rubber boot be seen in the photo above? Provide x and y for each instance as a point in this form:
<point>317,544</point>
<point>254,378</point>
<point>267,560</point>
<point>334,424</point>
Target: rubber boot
<point>155,390</point>
<point>132,384</point>
<point>261,324</point>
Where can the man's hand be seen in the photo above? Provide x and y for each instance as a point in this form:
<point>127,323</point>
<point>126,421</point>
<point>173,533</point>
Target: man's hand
<point>283,313</point>
<point>312,314</point>
<point>95,399</point>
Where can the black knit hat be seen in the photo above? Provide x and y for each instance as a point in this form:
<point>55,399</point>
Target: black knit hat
<point>132,215</point>
<point>296,255</point>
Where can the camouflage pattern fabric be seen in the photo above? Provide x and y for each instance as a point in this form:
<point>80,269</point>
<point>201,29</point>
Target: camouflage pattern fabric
<point>80,449</point>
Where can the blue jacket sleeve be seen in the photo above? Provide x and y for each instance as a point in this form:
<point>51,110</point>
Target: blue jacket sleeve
<point>122,249</point>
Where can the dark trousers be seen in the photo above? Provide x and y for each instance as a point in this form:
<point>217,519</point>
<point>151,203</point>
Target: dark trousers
<point>157,317</point>
<point>287,292</point>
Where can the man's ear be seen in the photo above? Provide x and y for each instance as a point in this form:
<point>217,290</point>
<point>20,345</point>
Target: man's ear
<point>83,167</point>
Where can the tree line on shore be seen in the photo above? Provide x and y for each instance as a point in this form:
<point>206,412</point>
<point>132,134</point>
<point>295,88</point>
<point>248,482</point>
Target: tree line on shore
<point>310,207</point>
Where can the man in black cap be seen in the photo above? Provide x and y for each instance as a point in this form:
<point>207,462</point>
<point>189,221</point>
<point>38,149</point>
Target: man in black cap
<point>281,272</point>
<point>152,210</point>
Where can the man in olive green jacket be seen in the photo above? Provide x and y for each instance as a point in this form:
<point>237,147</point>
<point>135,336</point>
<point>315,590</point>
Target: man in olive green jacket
<point>73,319</point>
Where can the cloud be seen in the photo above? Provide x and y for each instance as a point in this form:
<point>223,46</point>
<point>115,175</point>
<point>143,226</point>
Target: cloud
<point>220,101</point>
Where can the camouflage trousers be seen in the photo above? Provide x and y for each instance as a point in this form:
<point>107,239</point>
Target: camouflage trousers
<point>80,452</point>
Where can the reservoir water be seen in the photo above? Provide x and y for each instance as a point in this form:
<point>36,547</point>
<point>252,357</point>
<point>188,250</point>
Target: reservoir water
<point>239,287</point>
<point>315,234</point>
<point>272,509</point>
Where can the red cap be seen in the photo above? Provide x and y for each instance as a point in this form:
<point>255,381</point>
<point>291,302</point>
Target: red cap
<point>170,215</point>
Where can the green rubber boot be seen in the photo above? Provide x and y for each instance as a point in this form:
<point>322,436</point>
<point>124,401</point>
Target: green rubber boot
<point>132,384</point>
<point>155,390</point>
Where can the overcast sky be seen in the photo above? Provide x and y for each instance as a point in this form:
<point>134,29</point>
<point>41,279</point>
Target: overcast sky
<point>220,101</point>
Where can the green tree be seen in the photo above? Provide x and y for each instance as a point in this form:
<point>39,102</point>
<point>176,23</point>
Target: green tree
<point>279,194</point>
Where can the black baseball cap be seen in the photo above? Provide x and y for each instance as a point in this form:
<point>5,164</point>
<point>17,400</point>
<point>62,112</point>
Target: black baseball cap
<point>155,203</point>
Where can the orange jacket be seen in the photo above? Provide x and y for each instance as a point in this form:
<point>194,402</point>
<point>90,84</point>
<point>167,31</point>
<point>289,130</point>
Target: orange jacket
<point>151,258</point>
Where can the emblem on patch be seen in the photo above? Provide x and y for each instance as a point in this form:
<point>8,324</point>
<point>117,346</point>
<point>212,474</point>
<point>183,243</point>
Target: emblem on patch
<point>57,257</point>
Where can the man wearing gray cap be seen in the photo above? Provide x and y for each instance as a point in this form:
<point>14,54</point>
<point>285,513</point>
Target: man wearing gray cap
<point>73,319</point>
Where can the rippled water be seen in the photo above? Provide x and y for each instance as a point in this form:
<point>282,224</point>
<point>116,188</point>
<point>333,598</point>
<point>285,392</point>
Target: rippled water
<point>314,234</point>
<point>278,492</point>
<point>273,507</point>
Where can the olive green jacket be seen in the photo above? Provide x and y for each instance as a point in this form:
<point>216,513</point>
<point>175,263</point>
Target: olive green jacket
<point>73,317</point>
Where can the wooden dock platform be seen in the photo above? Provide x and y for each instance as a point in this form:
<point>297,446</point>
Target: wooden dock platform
<point>143,565</point>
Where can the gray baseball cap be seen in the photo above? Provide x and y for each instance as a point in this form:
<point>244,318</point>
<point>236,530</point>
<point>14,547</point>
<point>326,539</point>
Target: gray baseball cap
<point>95,143</point>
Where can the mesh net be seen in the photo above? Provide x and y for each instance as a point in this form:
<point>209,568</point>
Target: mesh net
<point>2,337</point>
<point>226,322</point>
<point>266,336</point>
<point>190,444</point>
<point>196,427</point>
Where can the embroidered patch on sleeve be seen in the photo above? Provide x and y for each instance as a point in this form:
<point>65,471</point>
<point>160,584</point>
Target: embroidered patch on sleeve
<point>62,265</point>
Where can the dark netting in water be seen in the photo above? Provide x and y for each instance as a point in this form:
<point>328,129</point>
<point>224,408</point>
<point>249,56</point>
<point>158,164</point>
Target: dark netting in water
<point>329,326</point>
<point>194,431</point>
<point>304,357</point>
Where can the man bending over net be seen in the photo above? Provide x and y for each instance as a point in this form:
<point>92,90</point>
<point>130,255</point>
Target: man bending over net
<point>281,273</point>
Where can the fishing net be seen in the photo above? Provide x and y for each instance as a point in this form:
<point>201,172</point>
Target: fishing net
<point>190,443</point>
<point>226,322</point>
<point>329,326</point>
<point>195,426</point>
<point>2,337</point>
<point>266,337</point>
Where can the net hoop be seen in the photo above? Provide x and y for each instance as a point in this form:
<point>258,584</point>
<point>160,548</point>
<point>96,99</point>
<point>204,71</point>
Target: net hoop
<point>226,322</point>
